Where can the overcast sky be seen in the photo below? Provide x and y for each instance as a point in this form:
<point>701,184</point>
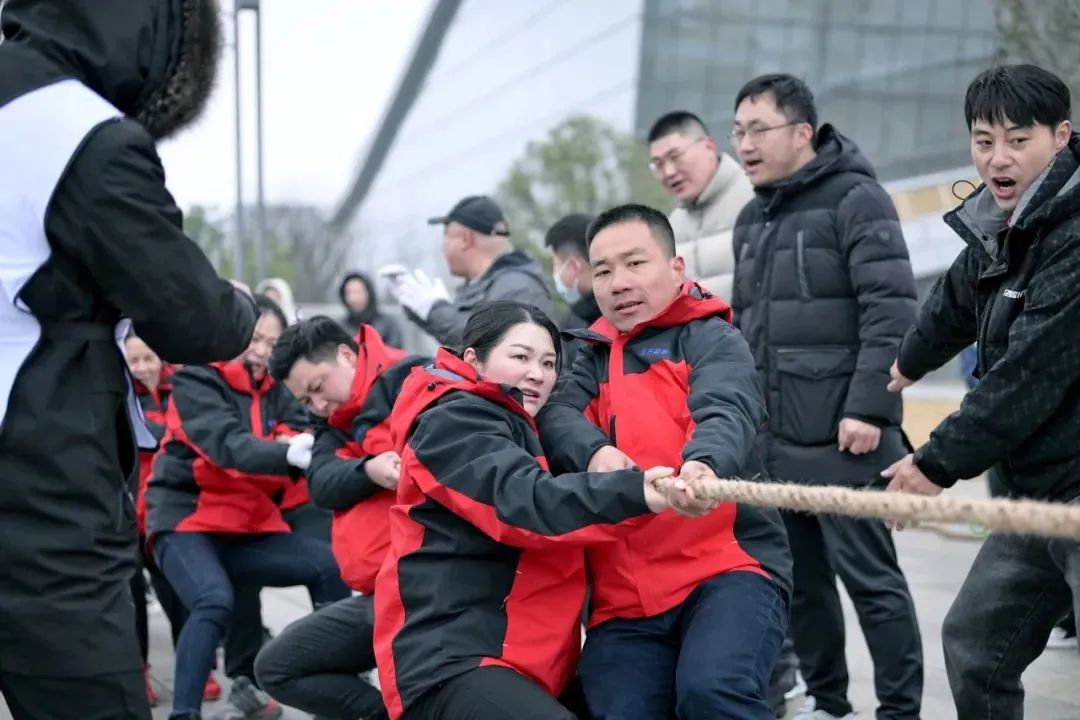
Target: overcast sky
<point>329,68</point>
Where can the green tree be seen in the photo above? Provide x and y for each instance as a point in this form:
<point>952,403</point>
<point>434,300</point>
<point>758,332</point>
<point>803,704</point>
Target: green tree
<point>1044,33</point>
<point>584,165</point>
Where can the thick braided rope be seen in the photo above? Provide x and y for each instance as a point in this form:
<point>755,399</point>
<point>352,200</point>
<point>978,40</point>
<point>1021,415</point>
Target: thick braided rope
<point>1017,517</point>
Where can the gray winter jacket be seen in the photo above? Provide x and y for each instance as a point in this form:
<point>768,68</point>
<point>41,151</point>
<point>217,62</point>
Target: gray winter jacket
<point>513,276</point>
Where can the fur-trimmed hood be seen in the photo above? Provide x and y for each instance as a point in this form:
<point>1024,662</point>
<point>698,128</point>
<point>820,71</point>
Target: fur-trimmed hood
<point>155,60</point>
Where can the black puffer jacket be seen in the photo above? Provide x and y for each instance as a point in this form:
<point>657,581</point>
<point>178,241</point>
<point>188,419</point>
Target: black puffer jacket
<point>91,235</point>
<point>1017,291</point>
<point>823,293</point>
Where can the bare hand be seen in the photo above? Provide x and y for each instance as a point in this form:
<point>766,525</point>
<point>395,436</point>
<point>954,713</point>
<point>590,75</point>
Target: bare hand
<point>681,495</point>
<point>654,497</point>
<point>609,458</point>
<point>906,477</point>
<point>898,381</point>
<point>384,469</point>
<point>858,437</point>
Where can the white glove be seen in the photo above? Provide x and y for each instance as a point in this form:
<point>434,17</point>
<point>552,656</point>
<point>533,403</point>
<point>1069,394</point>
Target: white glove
<point>419,293</point>
<point>299,453</point>
<point>304,439</point>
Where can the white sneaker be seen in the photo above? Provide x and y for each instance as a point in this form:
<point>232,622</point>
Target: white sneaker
<point>799,688</point>
<point>1061,640</point>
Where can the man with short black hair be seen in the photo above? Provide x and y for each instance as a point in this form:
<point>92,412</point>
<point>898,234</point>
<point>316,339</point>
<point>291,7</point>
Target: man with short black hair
<point>566,240</point>
<point>1015,289</point>
<point>687,615</point>
<point>476,245</point>
<point>823,293</point>
<point>710,190</point>
<point>349,384</point>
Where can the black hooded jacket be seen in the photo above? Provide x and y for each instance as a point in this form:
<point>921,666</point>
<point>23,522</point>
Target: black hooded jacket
<point>106,245</point>
<point>386,326</point>
<point>823,292</point>
<point>1015,289</point>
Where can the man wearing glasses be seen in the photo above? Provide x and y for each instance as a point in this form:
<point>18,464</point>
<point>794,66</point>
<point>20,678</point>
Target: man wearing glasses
<point>710,188</point>
<point>823,293</point>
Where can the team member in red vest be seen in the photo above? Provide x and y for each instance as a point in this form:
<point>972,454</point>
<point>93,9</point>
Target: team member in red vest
<point>213,518</point>
<point>686,615</point>
<point>316,663</point>
<point>479,602</point>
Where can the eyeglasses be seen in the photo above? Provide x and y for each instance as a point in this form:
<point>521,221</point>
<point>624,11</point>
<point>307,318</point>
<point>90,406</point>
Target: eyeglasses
<point>657,165</point>
<point>754,133</point>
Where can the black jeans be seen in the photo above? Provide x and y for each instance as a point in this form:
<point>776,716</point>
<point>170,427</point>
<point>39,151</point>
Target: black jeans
<point>203,567</point>
<point>315,663</point>
<point>862,553</point>
<point>488,693</point>
<point>1016,591</point>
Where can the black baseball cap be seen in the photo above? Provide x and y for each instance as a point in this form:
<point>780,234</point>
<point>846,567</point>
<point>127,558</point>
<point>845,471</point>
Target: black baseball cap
<point>476,212</point>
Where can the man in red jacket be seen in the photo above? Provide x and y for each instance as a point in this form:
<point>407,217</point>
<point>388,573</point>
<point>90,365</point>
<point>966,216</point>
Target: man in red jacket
<point>687,614</point>
<point>351,384</point>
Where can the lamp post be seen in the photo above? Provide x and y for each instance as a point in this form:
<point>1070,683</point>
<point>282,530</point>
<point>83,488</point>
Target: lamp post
<point>260,204</point>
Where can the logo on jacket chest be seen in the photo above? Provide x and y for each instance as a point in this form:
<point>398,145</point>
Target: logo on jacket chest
<point>1013,294</point>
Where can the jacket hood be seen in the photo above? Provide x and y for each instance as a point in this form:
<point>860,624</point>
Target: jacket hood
<point>1053,197</point>
<point>372,310</point>
<point>425,386</point>
<point>693,303</point>
<point>284,291</point>
<point>237,376</point>
<point>519,261</point>
<point>154,60</point>
<point>373,357</point>
<point>835,154</point>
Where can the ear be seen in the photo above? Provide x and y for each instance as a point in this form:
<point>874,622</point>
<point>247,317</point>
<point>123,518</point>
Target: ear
<point>346,356</point>
<point>1062,135</point>
<point>469,356</point>
<point>804,135</point>
<point>710,143</point>
<point>678,266</point>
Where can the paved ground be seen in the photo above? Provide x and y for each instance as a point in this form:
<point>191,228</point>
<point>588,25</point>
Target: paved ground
<point>935,567</point>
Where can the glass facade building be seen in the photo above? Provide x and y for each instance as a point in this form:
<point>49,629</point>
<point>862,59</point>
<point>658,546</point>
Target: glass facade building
<point>890,74</point>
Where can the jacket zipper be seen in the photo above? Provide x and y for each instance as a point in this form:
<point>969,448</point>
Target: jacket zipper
<point>800,261</point>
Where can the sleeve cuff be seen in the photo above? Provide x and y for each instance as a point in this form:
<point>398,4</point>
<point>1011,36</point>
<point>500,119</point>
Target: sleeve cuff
<point>931,468</point>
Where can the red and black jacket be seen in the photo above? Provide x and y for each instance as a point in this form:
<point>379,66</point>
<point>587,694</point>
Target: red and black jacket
<point>219,468</point>
<point>154,404</point>
<point>676,388</point>
<point>485,564</point>
<point>356,431</point>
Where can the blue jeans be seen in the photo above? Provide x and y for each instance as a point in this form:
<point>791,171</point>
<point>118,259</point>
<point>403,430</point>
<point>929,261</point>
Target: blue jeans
<point>203,567</point>
<point>709,658</point>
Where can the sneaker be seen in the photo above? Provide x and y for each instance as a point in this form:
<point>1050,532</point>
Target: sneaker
<point>250,701</point>
<point>1061,639</point>
<point>822,715</point>
<point>151,696</point>
<point>212,690</point>
<point>799,688</point>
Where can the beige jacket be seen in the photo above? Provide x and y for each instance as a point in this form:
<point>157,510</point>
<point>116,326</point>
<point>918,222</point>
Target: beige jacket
<point>703,230</point>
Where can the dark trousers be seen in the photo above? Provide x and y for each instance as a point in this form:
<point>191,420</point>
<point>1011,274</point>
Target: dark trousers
<point>707,659</point>
<point>1018,588</point>
<point>488,693</point>
<point>203,567</point>
<point>246,634</point>
<point>862,553</point>
<point>120,696</point>
<point>315,663</point>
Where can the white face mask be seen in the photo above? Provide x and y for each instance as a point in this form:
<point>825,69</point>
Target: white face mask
<point>569,293</point>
